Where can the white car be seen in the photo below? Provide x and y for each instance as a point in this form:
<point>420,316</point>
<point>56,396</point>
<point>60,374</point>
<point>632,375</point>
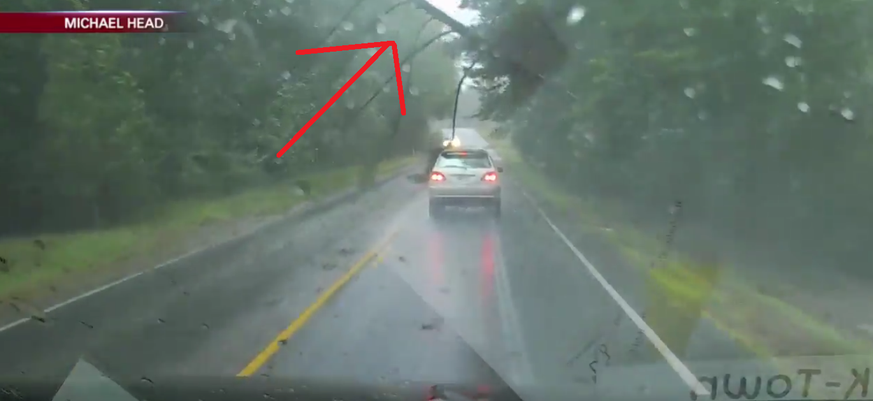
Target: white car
<point>464,177</point>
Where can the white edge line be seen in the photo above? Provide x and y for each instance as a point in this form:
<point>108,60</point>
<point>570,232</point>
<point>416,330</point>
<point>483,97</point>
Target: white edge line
<point>114,283</point>
<point>684,373</point>
<point>140,273</point>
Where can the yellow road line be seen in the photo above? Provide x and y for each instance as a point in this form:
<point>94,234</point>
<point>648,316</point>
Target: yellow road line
<point>304,317</point>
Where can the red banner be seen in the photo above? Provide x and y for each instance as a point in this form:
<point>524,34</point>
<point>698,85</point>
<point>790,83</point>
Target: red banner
<point>94,22</point>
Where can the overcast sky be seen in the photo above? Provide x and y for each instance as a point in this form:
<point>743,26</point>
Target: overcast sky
<point>467,17</point>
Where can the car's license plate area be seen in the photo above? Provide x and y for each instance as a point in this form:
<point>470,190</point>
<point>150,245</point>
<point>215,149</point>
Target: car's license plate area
<point>463,203</point>
<point>464,179</point>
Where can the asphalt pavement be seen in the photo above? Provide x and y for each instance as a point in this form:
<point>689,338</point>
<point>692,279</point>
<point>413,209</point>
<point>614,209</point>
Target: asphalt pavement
<point>372,291</point>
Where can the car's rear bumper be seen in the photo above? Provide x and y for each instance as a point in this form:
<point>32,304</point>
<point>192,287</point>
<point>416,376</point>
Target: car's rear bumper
<point>448,193</point>
<point>465,198</point>
<point>465,202</point>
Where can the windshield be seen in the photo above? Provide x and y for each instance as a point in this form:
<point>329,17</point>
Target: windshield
<point>243,189</point>
<point>464,160</point>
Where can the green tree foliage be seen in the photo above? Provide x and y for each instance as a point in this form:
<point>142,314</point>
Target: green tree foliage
<point>752,113</point>
<point>99,128</point>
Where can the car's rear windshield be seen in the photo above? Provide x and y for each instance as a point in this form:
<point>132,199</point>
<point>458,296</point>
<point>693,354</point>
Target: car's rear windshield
<point>465,159</point>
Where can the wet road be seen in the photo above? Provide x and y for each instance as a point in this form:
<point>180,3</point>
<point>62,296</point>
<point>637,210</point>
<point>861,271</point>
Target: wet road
<point>370,291</point>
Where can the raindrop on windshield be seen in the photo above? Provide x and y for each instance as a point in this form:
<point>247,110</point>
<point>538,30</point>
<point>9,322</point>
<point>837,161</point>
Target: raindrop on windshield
<point>576,14</point>
<point>286,11</point>
<point>520,1</point>
<point>406,68</point>
<point>413,91</point>
<point>792,61</point>
<point>162,40</point>
<point>203,19</point>
<point>286,75</point>
<point>350,104</point>
<point>226,26</point>
<point>380,28</point>
<point>773,82</point>
<point>348,26</point>
<point>690,92</point>
<point>807,9</point>
<point>289,1</point>
<point>386,89</point>
<point>793,40</point>
<point>803,107</point>
<point>190,44</point>
<point>847,113</point>
<point>690,32</point>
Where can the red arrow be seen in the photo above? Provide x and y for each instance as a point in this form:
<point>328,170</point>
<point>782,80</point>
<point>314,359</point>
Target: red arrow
<point>382,47</point>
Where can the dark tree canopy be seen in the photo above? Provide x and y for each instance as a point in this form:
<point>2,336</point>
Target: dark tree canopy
<point>120,123</point>
<point>753,113</point>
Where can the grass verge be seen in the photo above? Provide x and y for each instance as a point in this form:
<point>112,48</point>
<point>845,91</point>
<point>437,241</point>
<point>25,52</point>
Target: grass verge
<point>682,289</point>
<point>40,261</point>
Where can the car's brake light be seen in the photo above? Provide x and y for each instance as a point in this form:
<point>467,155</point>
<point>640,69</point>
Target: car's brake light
<point>437,176</point>
<point>490,176</point>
